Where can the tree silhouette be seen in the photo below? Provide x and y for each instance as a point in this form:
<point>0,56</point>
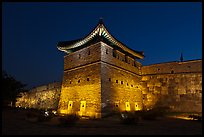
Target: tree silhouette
<point>10,88</point>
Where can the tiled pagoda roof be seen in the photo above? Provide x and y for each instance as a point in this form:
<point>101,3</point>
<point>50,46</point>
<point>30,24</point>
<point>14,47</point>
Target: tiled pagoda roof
<point>99,33</point>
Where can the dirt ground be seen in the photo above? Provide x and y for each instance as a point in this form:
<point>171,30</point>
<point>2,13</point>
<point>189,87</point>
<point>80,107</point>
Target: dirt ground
<point>14,123</point>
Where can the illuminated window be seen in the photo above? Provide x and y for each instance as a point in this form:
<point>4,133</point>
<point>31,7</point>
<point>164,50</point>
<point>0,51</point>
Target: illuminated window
<point>137,106</point>
<point>70,104</point>
<point>117,104</point>
<point>127,106</point>
<point>83,106</point>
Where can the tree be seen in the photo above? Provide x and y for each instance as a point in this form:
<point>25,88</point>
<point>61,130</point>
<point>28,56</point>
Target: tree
<point>10,88</point>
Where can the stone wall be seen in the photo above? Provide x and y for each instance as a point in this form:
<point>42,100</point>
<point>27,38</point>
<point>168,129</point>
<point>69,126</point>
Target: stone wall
<point>42,97</point>
<point>82,57</point>
<point>119,59</point>
<point>99,75</point>
<point>120,80</point>
<point>99,78</point>
<point>81,84</point>
<point>174,84</point>
<point>173,67</point>
<point>120,87</point>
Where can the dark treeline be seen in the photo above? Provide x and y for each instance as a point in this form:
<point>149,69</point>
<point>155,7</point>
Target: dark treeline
<point>10,89</point>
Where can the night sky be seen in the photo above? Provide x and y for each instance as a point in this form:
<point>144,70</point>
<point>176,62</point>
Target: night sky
<point>31,31</point>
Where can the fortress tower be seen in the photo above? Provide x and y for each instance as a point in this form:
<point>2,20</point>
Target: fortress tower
<point>100,74</point>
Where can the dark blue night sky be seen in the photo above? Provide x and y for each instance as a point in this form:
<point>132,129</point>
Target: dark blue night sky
<point>31,31</point>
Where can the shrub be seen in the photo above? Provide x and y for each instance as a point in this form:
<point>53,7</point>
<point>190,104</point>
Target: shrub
<point>154,113</point>
<point>149,115</point>
<point>128,118</point>
<point>45,116</point>
<point>195,117</point>
<point>110,114</point>
<point>70,119</point>
<point>39,115</point>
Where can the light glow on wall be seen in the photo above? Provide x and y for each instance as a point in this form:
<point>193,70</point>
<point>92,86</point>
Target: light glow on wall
<point>127,106</point>
<point>86,100</point>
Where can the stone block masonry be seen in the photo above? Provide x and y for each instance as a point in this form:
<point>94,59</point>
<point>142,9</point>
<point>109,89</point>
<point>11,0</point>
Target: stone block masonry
<point>176,84</point>
<point>102,74</point>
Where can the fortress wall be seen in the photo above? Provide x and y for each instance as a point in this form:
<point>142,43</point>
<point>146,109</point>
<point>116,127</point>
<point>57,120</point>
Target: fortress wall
<point>120,79</point>
<point>181,91</point>
<point>119,59</point>
<point>119,87</point>
<point>102,76</point>
<point>83,56</point>
<point>42,97</point>
<point>101,69</point>
<point>173,67</point>
<point>81,84</point>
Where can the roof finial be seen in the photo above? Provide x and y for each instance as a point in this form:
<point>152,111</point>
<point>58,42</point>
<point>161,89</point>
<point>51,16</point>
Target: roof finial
<point>101,20</point>
<point>181,58</point>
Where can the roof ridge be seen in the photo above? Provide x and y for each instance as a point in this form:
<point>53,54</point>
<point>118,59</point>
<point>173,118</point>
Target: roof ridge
<point>102,31</point>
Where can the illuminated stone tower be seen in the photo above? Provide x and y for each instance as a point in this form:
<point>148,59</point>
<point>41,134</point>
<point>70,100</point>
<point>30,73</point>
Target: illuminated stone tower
<point>100,74</point>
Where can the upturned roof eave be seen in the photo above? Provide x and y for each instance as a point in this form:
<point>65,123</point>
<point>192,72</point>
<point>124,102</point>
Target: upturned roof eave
<point>100,28</point>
